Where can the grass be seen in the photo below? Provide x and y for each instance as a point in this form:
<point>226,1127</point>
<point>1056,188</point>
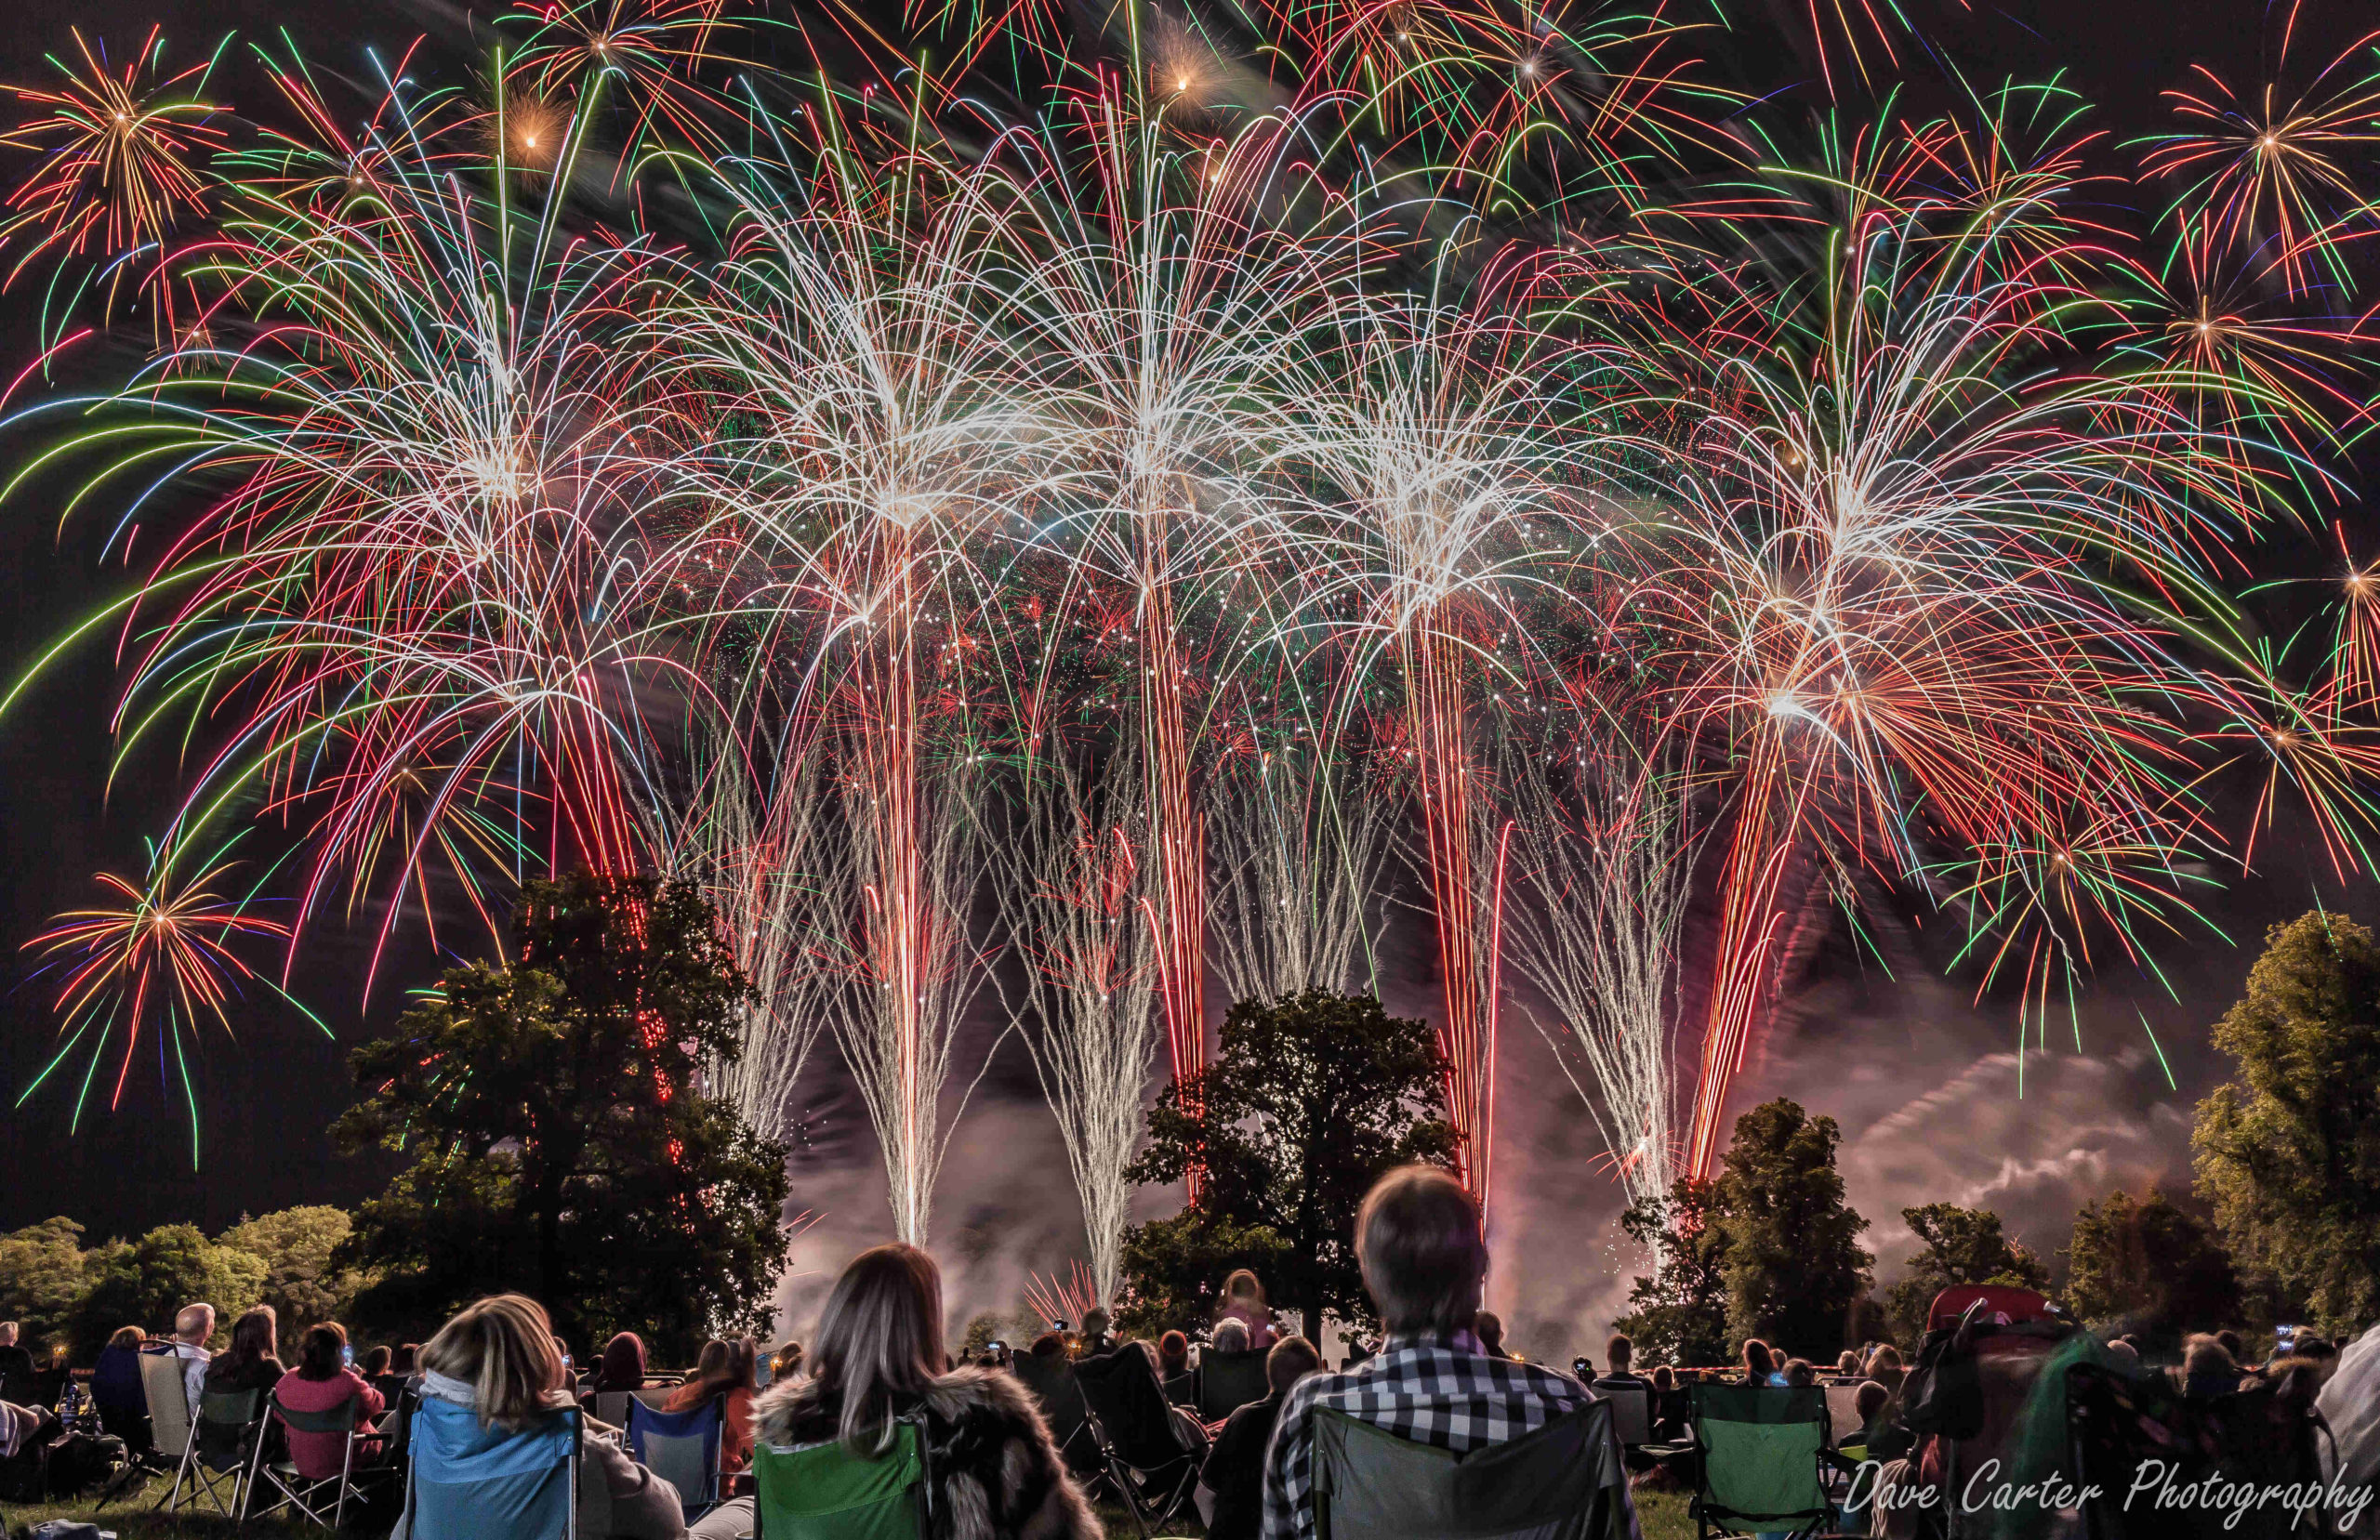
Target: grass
<point>1661,1515</point>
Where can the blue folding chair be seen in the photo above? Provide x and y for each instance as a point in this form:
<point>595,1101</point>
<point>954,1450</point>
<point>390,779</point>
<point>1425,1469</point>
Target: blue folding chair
<point>468,1482</point>
<point>681,1448</point>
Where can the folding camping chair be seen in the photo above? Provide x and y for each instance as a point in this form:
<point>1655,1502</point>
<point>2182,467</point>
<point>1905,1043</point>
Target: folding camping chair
<point>1149,1460</point>
<point>522,1488</point>
<point>298,1490</point>
<point>1632,1409</point>
<point>823,1491</point>
<point>611,1406</point>
<point>169,1422</point>
<point>1562,1481</point>
<point>682,1449</point>
<point>1052,1384</point>
<point>1229,1381</point>
<point>1762,1450</point>
<point>225,1440</point>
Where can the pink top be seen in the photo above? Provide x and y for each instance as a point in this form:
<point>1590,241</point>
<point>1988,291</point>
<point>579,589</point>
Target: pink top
<point>318,1457</point>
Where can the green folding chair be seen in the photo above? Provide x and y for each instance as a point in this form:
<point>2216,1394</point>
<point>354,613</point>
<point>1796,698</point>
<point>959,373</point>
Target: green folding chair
<point>824,1491</point>
<point>1761,1452</point>
<point>1562,1481</point>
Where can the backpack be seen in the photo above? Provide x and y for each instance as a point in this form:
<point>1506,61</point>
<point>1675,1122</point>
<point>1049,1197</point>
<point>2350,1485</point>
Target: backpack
<point>55,1463</point>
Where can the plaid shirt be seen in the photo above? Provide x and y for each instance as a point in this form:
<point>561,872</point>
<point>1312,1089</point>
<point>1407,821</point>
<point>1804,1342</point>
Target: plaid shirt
<point>1440,1390</point>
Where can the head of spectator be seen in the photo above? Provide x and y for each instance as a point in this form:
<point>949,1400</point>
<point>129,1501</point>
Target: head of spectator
<point>1620,1352</point>
<point>1869,1400</point>
<point>1230,1336</point>
<point>1488,1327</point>
<point>622,1365</point>
<point>193,1324</point>
<point>2124,1356</point>
<point>880,1341</point>
<point>8,1334</point>
<point>1241,1290</point>
<point>2232,1344</point>
<point>1172,1354</point>
<point>786,1362</point>
<point>1048,1345</point>
<point>1847,1363</point>
<point>501,1351</point>
<point>254,1341</point>
<point>1095,1323</point>
<point>129,1338</point>
<point>2208,1368</point>
<point>1664,1377</point>
<point>724,1366</point>
<point>1759,1362</point>
<point>376,1363</point>
<point>323,1353</point>
<point>1887,1357</point>
<point>1801,1371</point>
<point>1290,1360</point>
<point>401,1362</point>
<point>2319,1351</point>
<point>1419,1248</point>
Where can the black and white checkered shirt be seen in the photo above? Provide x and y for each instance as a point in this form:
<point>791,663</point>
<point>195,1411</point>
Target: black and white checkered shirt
<point>1440,1390</point>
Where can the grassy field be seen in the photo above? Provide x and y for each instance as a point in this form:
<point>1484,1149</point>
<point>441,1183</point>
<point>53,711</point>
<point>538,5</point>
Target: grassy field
<point>1661,1514</point>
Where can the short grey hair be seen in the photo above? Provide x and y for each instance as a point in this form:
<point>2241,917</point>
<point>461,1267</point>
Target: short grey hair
<point>1423,1257</point>
<point>1230,1337</point>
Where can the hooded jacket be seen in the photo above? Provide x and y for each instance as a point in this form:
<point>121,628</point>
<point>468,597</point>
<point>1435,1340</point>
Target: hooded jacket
<point>994,1470</point>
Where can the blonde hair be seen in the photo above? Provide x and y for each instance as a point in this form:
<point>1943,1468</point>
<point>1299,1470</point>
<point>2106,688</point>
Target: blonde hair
<point>1418,1241</point>
<point>502,1348</point>
<point>880,1341</point>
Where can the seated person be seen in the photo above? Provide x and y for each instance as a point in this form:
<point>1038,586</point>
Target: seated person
<point>1620,1352</point>
<point>1672,1406</point>
<point>492,1374</point>
<point>1229,1336</point>
<point>1846,1364</point>
<point>1173,1369</point>
<point>2208,1368</point>
<point>1244,1302</point>
<point>878,1356</point>
<point>117,1387</point>
<point>323,1382</point>
<point>621,1367</point>
<point>726,1370</point>
<point>1869,1400</point>
<point>1097,1334</point>
<point>1759,1362</point>
<point>1232,1482</point>
<point>1424,1261</point>
<point>1488,1327</point>
<point>1800,1372</point>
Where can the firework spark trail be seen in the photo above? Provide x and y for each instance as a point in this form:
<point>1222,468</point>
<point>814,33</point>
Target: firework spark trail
<point>1602,879</point>
<point>1073,899</point>
<point>1301,846</point>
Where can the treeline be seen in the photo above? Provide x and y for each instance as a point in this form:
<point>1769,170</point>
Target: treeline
<point>58,1290</point>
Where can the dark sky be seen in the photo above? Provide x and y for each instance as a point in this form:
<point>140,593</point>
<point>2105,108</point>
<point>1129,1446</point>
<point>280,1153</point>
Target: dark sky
<point>1850,1041</point>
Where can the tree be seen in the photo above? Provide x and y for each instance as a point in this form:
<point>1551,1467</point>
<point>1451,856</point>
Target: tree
<point>1173,1270</point>
<point>2289,1149</point>
<point>1793,1263</point>
<point>1679,1315</point>
<point>2149,1267</point>
<point>300,1282</point>
<point>146,1282</point>
<point>560,1136</point>
<point>1958,1245</point>
<point>43,1275</point>
<point>1308,1102</point>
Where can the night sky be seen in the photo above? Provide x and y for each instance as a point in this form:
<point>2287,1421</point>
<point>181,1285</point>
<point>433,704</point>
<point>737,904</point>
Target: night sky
<point>1922,1079</point>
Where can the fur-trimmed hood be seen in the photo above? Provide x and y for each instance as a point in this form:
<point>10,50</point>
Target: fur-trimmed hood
<point>996,1472</point>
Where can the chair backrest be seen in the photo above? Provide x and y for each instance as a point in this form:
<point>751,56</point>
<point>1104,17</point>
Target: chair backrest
<point>1053,1384</point>
<point>1560,1483</point>
<point>1122,1391</point>
<point>681,1448</point>
<point>655,1393</point>
<point>1632,1409</point>
<point>1229,1381</point>
<point>160,1381</point>
<point>612,1406</point>
<point>521,1487</point>
<point>1760,1449</point>
<point>228,1423</point>
<point>823,1491</point>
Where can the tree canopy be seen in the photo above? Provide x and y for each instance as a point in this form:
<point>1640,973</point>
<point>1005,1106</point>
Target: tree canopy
<point>1956,1245</point>
<point>2148,1265</point>
<point>1309,1101</point>
<point>2288,1151</point>
<point>560,1137</point>
<point>1795,1266</point>
<point>1679,1314</point>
